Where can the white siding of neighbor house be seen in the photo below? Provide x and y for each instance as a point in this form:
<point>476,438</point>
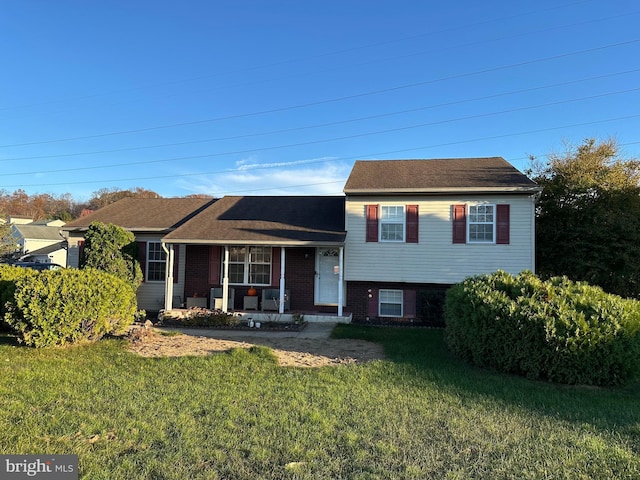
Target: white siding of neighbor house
<point>435,259</point>
<point>150,294</point>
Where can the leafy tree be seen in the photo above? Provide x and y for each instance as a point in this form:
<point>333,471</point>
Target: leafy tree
<point>588,217</point>
<point>112,249</point>
<point>106,196</point>
<point>7,242</point>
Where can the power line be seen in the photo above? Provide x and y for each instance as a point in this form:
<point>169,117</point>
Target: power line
<point>347,137</point>
<point>458,142</point>
<point>333,100</point>
<point>339,122</point>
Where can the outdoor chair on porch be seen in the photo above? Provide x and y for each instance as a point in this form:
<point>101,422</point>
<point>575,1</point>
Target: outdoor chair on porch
<point>215,299</point>
<point>271,299</point>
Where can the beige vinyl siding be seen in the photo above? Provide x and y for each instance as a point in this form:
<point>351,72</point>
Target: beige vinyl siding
<point>435,259</point>
<point>151,294</point>
<point>73,251</point>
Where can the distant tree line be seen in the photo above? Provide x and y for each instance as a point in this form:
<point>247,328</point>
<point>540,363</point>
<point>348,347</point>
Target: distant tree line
<point>62,207</point>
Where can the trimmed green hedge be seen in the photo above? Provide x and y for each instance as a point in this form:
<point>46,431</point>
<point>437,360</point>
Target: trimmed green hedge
<point>59,307</point>
<point>556,330</point>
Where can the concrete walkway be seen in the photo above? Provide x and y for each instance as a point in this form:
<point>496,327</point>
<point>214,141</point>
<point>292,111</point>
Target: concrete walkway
<point>319,331</point>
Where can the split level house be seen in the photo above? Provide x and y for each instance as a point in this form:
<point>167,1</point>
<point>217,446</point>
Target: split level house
<point>402,226</point>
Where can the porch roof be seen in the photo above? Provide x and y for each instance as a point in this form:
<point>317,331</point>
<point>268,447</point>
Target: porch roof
<point>288,220</point>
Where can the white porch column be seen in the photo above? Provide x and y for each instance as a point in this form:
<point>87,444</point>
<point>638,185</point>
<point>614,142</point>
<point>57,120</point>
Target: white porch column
<point>340,281</point>
<point>282,262</point>
<point>225,280</point>
<point>168,277</point>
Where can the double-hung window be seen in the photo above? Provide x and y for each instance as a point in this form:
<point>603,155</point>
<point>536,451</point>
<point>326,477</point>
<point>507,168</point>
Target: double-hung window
<point>482,223</point>
<point>390,303</point>
<point>250,265</point>
<point>156,262</point>
<point>392,219</point>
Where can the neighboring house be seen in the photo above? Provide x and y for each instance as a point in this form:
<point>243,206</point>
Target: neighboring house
<point>40,241</point>
<point>403,226</point>
<point>149,219</point>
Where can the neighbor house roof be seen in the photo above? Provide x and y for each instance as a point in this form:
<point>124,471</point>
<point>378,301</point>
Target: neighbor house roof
<point>38,232</point>
<point>54,247</point>
<point>290,220</point>
<point>437,176</point>
<point>143,214</point>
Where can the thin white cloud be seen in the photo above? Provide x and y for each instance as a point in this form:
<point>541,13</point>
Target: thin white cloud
<point>292,178</point>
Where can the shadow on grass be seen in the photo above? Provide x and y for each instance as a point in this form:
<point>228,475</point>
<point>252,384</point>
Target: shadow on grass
<point>424,352</point>
<point>8,339</point>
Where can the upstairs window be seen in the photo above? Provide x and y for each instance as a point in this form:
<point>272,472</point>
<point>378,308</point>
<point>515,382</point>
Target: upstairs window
<point>481,223</point>
<point>392,223</point>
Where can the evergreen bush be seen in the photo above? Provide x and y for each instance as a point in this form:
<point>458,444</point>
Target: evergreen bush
<point>60,307</point>
<point>9,275</point>
<point>558,330</point>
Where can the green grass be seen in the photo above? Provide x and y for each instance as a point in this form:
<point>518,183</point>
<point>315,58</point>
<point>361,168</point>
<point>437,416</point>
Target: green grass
<point>420,414</point>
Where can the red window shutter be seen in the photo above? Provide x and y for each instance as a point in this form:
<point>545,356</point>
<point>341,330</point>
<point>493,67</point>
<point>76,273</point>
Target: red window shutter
<point>214,264</point>
<point>275,266</point>
<point>372,304</point>
<point>372,223</point>
<point>409,300</point>
<point>459,224</point>
<point>142,258</point>
<point>412,223</point>
<point>502,224</point>
<point>176,262</point>
<point>80,252</point>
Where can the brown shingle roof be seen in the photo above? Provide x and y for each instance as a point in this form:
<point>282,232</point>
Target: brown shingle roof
<point>270,220</point>
<point>143,214</point>
<point>493,174</point>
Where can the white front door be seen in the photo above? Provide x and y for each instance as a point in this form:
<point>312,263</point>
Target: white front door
<point>327,276</point>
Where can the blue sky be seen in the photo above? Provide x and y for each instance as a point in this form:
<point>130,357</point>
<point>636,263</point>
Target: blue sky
<point>281,97</point>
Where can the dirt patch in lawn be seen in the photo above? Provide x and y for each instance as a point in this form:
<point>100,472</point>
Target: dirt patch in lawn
<point>294,352</point>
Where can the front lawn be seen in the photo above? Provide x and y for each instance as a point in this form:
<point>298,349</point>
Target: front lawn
<point>420,414</point>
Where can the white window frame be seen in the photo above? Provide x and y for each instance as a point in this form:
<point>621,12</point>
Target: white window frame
<point>398,300</point>
<point>470,207</point>
<point>249,252</point>
<point>395,220</point>
<point>157,252</point>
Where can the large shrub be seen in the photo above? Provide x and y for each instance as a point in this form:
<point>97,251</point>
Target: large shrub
<point>9,275</point>
<point>68,306</point>
<point>557,330</point>
<point>112,249</point>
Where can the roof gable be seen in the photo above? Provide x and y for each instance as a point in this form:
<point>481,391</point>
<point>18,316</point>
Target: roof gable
<point>143,214</point>
<point>264,219</point>
<point>492,174</point>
